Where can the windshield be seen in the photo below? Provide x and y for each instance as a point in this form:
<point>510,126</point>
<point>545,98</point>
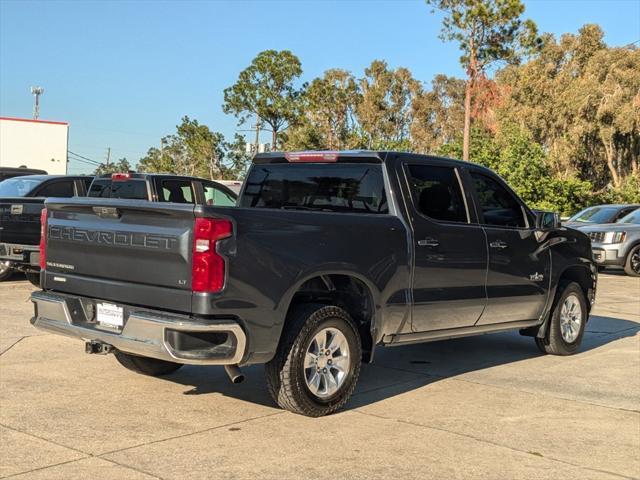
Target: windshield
<point>595,215</point>
<point>18,186</point>
<point>633,218</point>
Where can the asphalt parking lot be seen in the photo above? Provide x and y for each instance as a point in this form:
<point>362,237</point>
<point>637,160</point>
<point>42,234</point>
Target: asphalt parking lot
<point>484,407</point>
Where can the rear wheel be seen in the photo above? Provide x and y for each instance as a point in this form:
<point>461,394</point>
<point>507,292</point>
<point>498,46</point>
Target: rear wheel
<point>146,366</point>
<point>34,278</point>
<point>316,367</point>
<point>632,265</point>
<point>5,270</point>
<point>567,323</point>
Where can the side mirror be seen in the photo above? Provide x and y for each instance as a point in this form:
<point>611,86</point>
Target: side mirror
<point>547,221</point>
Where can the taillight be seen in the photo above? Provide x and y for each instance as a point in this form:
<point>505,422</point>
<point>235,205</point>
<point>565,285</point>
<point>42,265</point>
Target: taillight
<point>43,238</point>
<point>208,268</point>
<point>120,177</point>
<point>311,157</point>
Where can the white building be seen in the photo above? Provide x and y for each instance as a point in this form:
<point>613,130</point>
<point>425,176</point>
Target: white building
<point>37,144</point>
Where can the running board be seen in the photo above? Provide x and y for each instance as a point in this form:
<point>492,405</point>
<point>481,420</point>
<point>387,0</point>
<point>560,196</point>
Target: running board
<point>420,337</point>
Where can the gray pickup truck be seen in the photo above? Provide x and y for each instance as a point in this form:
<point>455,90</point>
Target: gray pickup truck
<point>326,256</point>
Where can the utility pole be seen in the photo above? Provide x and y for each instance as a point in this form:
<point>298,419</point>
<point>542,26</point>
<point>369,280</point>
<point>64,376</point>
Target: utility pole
<point>36,92</point>
<point>108,155</point>
<point>258,125</point>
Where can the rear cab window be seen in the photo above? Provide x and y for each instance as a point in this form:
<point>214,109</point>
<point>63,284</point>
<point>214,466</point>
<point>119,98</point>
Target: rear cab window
<point>132,188</point>
<point>338,187</point>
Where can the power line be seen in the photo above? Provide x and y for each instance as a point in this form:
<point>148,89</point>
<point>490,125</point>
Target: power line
<point>83,161</point>
<point>84,158</point>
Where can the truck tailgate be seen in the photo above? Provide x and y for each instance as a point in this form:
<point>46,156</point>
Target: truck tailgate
<point>20,220</point>
<point>130,251</point>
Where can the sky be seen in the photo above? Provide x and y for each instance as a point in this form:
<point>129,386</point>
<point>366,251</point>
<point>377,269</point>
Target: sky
<point>123,73</point>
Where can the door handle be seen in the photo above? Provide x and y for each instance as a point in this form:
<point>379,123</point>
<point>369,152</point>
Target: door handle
<point>428,242</point>
<point>498,244</point>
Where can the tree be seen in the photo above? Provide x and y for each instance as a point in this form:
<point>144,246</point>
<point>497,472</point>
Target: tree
<point>487,31</point>
<point>581,101</point>
<point>121,165</point>
<point>195,150</point>
<point>266,89</point>
<point>438,114</point>
<point>236,159</point>
<point>385,110</point>
<point>514,155</point>
<point>328,109</point>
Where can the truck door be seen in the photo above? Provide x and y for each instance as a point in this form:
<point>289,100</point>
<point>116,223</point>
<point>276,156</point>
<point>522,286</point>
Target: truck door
<point>450,260</point>
<point>518,276</point>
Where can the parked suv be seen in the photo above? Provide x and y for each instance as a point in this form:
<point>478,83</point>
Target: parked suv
<point>326,256</point>
<point>617,244</point>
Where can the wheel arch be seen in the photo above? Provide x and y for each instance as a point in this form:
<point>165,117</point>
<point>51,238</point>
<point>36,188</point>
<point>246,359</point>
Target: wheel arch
<point>583,276</point>
<point>346,289</point>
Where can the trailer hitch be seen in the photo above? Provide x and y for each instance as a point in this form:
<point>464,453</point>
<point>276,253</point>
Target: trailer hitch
<point>98,348</point>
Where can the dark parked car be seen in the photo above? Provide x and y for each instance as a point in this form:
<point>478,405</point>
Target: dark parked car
<point>21,201</point>
<point>600,214</point>
<point>10,172</point>
<point>326,256</point>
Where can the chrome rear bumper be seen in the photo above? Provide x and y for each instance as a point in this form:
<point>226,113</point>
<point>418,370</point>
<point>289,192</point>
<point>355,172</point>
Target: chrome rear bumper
<point>145,332</point>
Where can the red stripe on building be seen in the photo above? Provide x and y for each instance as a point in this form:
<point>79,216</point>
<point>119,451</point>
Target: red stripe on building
<point>33,121</point>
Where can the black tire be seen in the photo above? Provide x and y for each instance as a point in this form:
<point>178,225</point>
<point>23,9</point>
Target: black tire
<point>34,278</point>
<point>5,270</point>
<point>554,343</point>
<point>286,373</point>
<point>146,366</point>
<point>632,264</point>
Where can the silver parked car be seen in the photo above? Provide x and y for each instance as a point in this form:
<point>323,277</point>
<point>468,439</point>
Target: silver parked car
<point>617,244</point>
<point>610,213</point>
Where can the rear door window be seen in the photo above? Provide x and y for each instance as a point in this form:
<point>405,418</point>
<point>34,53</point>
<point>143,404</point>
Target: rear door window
<point>177,191</point>
<point>437,193</point>
<point>343,188</point>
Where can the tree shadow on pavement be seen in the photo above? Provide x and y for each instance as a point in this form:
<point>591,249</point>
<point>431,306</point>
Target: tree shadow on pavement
<point>397,370</point>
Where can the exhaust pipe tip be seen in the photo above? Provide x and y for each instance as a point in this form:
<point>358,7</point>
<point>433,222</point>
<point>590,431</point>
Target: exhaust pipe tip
<point>234,373</point>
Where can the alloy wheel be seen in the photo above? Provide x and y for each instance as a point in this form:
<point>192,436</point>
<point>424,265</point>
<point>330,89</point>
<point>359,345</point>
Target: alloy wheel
<point>326,362</point>
<point>570,318</point>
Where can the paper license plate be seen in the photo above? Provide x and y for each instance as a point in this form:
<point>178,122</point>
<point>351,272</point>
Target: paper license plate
<point>110,315</point>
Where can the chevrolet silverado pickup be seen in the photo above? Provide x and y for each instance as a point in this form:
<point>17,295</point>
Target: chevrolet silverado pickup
<point>21,201</point>
<point>326,256</point>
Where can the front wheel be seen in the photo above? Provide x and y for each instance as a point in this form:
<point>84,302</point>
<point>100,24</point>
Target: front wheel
<point>317,364</point>
<point>567,323</point>
<point>632,265</point>
<point>5,270</point>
